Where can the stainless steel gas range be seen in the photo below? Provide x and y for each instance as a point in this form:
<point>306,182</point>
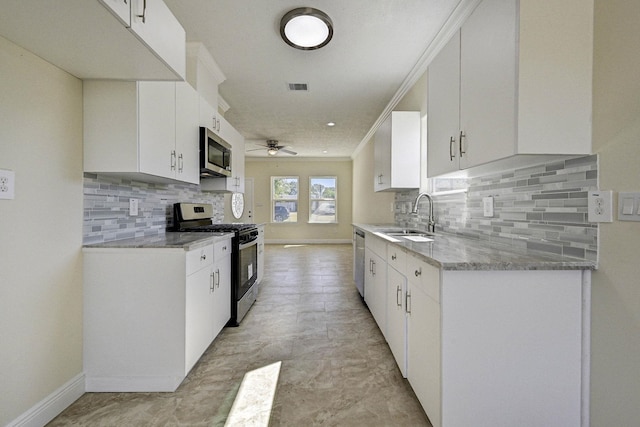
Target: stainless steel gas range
<point>197,217</point>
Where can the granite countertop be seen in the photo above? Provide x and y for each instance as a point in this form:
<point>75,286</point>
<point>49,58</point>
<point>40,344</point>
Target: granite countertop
<point>451,252</point>
<point>175,240</point>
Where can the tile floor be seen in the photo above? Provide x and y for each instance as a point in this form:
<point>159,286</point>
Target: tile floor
<point>337,369</point>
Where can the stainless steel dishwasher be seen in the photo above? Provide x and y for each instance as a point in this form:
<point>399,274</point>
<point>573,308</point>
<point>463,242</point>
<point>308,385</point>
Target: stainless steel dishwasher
<point>358,260</point>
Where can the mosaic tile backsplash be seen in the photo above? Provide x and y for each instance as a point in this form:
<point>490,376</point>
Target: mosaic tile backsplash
<point>541,208</point>
<point>106,207</point>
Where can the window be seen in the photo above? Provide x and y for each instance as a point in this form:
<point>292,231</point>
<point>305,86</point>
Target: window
<point>284,198</point>
<point>323,199</point>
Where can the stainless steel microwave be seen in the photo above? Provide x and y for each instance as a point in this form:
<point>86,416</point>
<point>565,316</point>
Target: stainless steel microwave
<point>215,155</point>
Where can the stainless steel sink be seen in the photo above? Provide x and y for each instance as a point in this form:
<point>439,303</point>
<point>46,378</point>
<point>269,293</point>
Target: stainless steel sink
<point>405,232</point>
<point>412,234</point>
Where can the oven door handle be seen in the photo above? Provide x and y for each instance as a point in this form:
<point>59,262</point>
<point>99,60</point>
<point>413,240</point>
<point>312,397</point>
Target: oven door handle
<point>248,244</point>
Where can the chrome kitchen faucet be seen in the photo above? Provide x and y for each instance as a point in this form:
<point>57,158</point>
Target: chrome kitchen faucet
<point>431,227</point>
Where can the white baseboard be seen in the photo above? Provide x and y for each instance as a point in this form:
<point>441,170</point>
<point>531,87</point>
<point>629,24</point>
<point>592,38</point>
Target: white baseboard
<point>52,405</point>
<point>307,241</point>
<point>133,384</point>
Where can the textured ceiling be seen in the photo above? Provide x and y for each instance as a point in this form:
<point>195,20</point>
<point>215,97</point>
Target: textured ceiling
<point>375,46</point>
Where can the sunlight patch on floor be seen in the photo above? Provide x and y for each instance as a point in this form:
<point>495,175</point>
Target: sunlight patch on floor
<point>293,246</point>
<point>253,403</point>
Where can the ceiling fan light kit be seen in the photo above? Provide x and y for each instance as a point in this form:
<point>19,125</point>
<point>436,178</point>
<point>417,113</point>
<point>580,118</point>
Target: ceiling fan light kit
<point>273,148</point>
<point>306,28</point>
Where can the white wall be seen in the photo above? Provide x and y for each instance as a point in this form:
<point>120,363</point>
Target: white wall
<point>615,355</point>
<point>40,231</point>
<point>302,231</point>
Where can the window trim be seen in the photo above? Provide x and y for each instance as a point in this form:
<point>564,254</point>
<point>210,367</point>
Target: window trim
<point>274,199</point>
<point>334,200</point>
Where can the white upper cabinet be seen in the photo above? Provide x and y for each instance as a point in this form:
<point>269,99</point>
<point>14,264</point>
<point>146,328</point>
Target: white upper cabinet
<point>121,9</point>
<point>187,133</point>
<point>444,110</point>
<point>156,128</point>
<point>100,39</point>
<point>213,120</point>
<point>397,152</point>
<point>515,79</point>
<point>143,130</point>
<point>154,24</point>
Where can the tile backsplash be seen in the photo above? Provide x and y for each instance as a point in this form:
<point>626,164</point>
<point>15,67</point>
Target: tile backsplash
<point>541,207</point>
<point>106,207</point>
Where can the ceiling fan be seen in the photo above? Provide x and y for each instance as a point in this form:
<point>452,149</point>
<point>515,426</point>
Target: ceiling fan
<point>274,148</point>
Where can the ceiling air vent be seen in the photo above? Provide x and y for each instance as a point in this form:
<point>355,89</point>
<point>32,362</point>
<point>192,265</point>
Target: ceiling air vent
<point>298,87</point>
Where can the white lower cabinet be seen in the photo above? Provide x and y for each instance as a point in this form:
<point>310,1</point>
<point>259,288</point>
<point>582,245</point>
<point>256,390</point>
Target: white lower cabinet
<point>396,332</point>
<point>149,314</point>
<point>199,314</point>
<point>506,347</point>
<point>423,335</point>
<point>221,286</point>
<point>375,284</point>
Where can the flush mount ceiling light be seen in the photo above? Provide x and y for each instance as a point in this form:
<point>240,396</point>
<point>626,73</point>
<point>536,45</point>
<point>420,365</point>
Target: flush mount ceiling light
<point>306,28</point>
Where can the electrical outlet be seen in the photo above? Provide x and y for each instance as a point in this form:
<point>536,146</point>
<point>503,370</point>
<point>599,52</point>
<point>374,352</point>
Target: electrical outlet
<point>133,207</point>
<point>599,205</point>
<point>7,184</point>
<point>487,206</point>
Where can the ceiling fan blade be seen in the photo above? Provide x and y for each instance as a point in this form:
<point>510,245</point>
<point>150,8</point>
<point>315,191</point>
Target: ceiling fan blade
<point>255,149</point>
<point>293,153</point>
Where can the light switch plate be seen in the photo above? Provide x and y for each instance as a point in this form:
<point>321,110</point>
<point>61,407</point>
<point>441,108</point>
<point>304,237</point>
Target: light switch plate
<point>487,206</point>
<point>133,207</point>
<point>600,206</point>
<point>7,184</point>
<point>628,206</point>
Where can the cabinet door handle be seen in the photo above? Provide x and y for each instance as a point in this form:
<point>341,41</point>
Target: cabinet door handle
<point>203,257</point>
<point>173,160</point>
<point>211,282</point>
<point>380,178</point>
<point>144,11</point>
<point>452,156</point>
<point>393,257</point>
<point>418,272</point>
<point>399,296</point>
<point>462,136</point>
<point>218,125</point>
<point>373,269</point>
<point>180,163</point>
<point>218,279</point>
<point>408,302</point>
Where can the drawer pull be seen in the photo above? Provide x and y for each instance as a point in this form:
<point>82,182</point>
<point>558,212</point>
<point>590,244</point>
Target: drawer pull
<point>418,272</point>
<point>393,257</point>
<point>203,257</point>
